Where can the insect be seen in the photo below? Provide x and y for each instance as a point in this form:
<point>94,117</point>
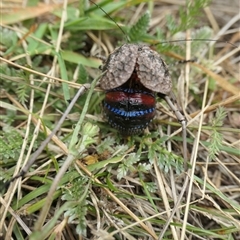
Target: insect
<point>134,74</point>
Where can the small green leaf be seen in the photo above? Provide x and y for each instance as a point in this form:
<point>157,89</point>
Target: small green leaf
<point>138,30</point>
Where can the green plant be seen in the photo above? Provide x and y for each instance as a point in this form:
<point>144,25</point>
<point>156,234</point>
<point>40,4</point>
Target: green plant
<point>216,137</point>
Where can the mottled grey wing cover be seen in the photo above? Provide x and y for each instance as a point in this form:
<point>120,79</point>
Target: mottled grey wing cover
<point>119,66</point>
<point>152,71</point>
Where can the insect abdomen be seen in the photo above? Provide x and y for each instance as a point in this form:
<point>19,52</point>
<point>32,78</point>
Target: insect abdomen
<point>129,110</point>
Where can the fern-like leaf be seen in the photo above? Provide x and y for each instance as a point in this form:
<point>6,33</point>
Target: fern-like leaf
<point>10,145</point>
<point>22,93</point>
<point>165,160</point>
<point>77,193</point>
<point>127,165</point>
<point>138,30</point>
<point>187,20</point>
<point>216,137</point>
<point>83,75</point>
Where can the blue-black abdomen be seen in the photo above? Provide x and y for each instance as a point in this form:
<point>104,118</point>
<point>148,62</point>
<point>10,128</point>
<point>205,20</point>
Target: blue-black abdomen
<point>130,107</point>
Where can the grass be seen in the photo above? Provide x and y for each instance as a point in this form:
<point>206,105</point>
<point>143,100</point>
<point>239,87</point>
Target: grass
<point>89,182</point>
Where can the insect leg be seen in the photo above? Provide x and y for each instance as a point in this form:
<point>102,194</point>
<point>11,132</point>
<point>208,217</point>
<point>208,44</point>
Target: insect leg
<point>183,122</point>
